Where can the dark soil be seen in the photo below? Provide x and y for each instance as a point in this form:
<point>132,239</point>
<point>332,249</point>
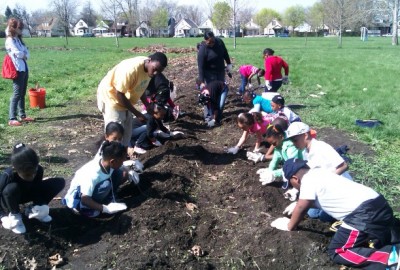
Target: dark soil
<point>231,221</point>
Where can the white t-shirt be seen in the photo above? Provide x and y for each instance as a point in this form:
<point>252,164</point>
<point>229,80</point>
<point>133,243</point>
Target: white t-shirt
<point>333,193</point>
<point>322,155</point>
<point>87,177</point>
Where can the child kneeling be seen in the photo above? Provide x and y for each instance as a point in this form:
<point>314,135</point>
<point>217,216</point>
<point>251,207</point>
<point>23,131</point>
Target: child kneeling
<point>93,187</point>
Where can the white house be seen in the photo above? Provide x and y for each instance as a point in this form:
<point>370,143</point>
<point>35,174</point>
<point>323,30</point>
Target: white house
<point>207,25</point>
<point>273,28</point>
<point>101,28</point>
<point>252,29</point>
<point>80,28</point>
<point>50,28</point>
<point>187,28</point>
<point>143,30</point>
<point>303,28</point>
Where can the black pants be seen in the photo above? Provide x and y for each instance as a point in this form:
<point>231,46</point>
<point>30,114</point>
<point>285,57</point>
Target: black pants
<point>15,194</point>
<point>275,85</point>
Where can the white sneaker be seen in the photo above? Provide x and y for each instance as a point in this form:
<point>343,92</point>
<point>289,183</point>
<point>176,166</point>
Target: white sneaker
<point>13,222</point>
<point>139,150</point>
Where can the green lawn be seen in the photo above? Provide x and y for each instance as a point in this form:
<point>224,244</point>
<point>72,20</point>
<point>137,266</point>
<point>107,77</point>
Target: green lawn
<point>360,81</point>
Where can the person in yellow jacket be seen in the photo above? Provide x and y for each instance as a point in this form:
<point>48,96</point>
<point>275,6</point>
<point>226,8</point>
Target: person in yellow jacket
<point>122,88</point>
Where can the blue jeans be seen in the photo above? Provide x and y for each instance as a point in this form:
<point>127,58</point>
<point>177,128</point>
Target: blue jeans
<point>139,137</point>
<point>245,80</point>
<point>17,100</point>
<point>224,94</point>
<point>320,214</point>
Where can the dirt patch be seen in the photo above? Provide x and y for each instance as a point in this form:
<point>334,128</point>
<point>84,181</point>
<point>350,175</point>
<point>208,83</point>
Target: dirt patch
<point>162,48</point>
<point>230,220</point>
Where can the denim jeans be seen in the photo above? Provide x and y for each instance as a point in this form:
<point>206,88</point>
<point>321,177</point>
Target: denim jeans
<point>139,138</point>
<point>17,100</point>
<point>320,214</point>
<point>224,95</point>
<point>245,80</point>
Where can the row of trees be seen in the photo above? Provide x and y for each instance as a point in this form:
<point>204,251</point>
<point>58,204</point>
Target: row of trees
<point>337,14</point>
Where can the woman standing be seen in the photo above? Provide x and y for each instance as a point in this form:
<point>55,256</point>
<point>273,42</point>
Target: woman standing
<point>19,53</point>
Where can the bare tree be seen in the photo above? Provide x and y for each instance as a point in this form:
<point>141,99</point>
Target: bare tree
<point>130,11</point>
<point>112,9</point>
<point>65,11</point>
<point>88,14</point>
<point>26,17</point>
<point>189,12</point>
<point>386,7</point>
<point>315,17</point>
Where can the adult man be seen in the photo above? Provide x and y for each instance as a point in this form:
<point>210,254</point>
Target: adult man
<point>210,59</point>
<point>366,215</point>
<point>123,86</point>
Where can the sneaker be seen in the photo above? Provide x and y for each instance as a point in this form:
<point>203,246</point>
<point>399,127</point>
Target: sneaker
<point>27,119</point>
<point>14,123</point>
<point>139,150</point>
<point>14,223</point>
<point>335,226</point>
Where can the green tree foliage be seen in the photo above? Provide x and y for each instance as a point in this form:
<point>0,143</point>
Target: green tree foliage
<point>294,16</point>
<point>222,15</point>
<point>265,16</point>
<point>315,16</point>
<point>159,19</point>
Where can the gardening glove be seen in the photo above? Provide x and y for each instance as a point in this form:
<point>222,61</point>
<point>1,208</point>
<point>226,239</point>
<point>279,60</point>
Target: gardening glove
<point>281,223</point>
<point>113,208</point>
<point>211,123</point>
<point>268,85</point>
<point>255,157</point>
<point>135,165</point>
<point>233,150</point>
<point>229,68</point>
<point>250,86</point>
<point>157,143</point>
<point>39,211</point>
<point>133,177</point>
<point>285,79</point>
<point>267,177</point>
<point>176,133</point>
<point>161,134</point>
<point>289,209</point>
<point>291,194</point>
<point>260,171</point>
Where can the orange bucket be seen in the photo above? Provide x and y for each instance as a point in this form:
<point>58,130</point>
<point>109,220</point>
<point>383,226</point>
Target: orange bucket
<point>37,97</point>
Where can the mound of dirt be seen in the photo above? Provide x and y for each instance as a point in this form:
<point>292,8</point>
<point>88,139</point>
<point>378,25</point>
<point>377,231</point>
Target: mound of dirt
<point>162,48</point>
<point>191,193</point>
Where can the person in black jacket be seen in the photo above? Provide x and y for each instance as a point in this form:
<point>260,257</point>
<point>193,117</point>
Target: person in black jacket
<point>210,59</point>
<point>22,183</point>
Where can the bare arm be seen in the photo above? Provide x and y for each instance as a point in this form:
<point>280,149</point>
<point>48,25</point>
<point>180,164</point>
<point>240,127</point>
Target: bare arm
<point>127,104</point>
<point>298,213</point>
<point>341,168</point>
<point>242,139</point>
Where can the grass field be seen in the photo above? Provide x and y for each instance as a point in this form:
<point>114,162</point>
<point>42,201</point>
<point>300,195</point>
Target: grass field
<point>360,81</point>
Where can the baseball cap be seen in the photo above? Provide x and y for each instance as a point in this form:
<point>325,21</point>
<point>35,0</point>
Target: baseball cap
<point>297,128</point>
<point>292,166</point>
<point>278,99</point>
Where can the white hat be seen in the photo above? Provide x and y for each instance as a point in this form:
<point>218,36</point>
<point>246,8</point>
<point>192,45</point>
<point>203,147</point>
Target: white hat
<point>297,128</point>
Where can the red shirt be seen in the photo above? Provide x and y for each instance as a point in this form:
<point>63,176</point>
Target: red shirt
<point>273,68</point>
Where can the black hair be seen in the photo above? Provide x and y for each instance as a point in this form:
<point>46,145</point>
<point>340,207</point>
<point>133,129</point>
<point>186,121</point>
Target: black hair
<point>155,107</point>
<point>114,127</point>
<point>246,119</point>
<point>274,131</point>
<point>159,57</point>
<point>249,94</point>
<point>260,72</point>
<point>269,51</point>
<point>113,150</point>
<point>208,35</point>
<point>24,158</point>
<point>282,122</point>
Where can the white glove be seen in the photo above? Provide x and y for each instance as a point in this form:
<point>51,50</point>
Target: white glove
<point>285,79</point>
<point>255,157</point>
<point>157,143</point>
<point>39,211</point>
<point>229,68</point>
<point>211,123</point>
<point>233,150</point>
<point>114,207</point>
<point>291,194</point>
<point>289,209</point>
<point>267,177</point>
<point>250,86</point>
<point>260,171</point>
<point>281,223</point>
<point>133,165</point>
<point>133,177</point>
<point>161,134</point>
<point>175,133</point>
<point>268,85</point>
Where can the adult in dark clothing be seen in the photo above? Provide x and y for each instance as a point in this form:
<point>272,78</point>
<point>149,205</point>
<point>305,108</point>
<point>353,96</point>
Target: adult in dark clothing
<point>22,183</point>
<point>213,97</point>
<point>210,59</point>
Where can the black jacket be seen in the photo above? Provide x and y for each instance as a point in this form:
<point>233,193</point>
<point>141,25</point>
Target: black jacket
<point>159,89</point>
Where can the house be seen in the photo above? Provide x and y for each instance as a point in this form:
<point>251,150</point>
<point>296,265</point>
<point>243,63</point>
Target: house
<point>187,28</point>
<point>274,28</point>
<point>251,29</point>
<point>207,25</point>
<point>80,28</point>
<point>101,28</point>
<point>121,28</point>
<point>143,30</point>
<point>50,28</point>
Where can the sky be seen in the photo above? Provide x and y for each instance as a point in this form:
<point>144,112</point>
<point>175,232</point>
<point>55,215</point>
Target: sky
<point>278,5</point>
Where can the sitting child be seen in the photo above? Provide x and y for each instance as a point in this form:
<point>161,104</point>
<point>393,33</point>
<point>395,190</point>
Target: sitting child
<point>278,106</point>
<point>22,183</point>
<point>252,123</point>
<point>93,187</point>
<point>246,73</point>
